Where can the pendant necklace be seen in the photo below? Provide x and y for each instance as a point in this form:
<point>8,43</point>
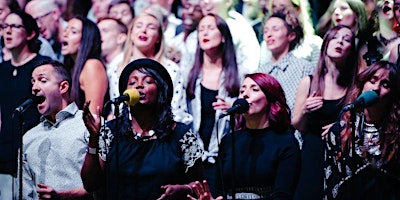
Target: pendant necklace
<point>15,72</point>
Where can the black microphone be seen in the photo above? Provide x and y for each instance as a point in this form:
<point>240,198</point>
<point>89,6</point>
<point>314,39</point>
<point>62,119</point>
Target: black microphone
<point>33,100</point>
<point>365,99</point>
<point>130,97</point>
<point>239,106</point>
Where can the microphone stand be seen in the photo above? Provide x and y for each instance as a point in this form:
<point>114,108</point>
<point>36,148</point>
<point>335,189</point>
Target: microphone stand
<point>20,162</point>
<point>232,124</point>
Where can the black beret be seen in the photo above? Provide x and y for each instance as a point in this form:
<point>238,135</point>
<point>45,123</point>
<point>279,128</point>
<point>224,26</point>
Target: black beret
<point>144,63</point>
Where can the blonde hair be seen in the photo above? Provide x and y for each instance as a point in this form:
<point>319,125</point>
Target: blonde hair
<point>129,46</point>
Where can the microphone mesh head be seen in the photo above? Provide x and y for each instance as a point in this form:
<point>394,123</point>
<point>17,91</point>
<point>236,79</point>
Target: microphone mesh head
<point>244,105</point>
<point>133,96</point>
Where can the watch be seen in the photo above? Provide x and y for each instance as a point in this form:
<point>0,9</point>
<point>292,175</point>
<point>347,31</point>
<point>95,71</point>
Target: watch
<point>91,150</point>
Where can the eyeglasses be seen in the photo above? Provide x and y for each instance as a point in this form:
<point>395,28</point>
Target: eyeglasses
<point>12,26</point>
<point>40,18</point>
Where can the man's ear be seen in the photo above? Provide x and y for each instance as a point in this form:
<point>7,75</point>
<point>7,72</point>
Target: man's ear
<point>64,86</point>
<point>121,38</point>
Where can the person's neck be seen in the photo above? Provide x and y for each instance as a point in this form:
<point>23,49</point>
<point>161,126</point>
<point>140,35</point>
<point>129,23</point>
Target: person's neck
<point>257,122</point>
<point>21,56</point>
<point>385,29</point>
<point>277,56</point>
<point>212,57</point>
<point>224,14</point>
<point>332,71</point>
<point>113,54</point>
<point>63,104</point>
<point>142,122</point>
<point>137,53</point>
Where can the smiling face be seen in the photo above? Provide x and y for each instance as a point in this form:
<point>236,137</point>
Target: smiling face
<point>343,14</point>
<point>72,37</point>
<point>256,98</point>
<point>46,83</point>
<point>209,36</point>
<point>339,46</point>
<point>145,33</point>
<point>191,14</point>
<point>15,35</point>
<point>145,85</point>
<point>276,35</point>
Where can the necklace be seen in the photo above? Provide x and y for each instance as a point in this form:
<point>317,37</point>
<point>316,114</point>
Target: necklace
<point>386,41</point>
<point>15,72</point>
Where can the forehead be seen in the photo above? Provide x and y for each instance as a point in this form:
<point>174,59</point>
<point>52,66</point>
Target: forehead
<point>382,74</point>
<point>194,2</point>
<point>208,20</point>
<point>249,82</point>
<point>76,23</point>
<point>274,21</point>
<point>282,2</point>
<point>139,73</point>
<point>120,6</point>
<point>344,31</point>
<point>41,70</point>
<point>14,18</point>
<point>341,3</point>
<point>147,18</point>
<point>107,23</point>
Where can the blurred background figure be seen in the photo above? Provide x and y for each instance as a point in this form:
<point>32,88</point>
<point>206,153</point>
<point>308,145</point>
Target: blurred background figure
<point>121,10</point>
<point>253,11</point>
<point>50,22</point>
<point>183,47</point>
<point>244,37</point>
<point>98,10</point>
<point>310,46</point>
<point>282,34</point>
<point>113,36</point>
<point>81,47</point>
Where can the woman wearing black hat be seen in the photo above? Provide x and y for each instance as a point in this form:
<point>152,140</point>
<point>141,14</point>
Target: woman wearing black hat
<point>149,155</point>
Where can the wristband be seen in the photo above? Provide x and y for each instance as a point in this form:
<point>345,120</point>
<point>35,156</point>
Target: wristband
<point>92,151</point>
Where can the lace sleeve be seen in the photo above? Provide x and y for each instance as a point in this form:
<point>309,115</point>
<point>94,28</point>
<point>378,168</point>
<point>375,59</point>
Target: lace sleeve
<point>105,140</point>
<point>191,149</point>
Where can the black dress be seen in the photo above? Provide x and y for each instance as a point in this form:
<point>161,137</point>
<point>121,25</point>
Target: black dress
<point>137,167</point>
<point>267,164</point>
<point>310,186</point>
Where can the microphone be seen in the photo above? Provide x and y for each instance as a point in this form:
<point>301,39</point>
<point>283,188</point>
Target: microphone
<point>365,99</point>
<point>33,100</point>
<point>130,97</point>
<point>239,106</point>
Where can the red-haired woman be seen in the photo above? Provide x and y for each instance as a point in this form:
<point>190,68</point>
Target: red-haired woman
<point>267,158</point>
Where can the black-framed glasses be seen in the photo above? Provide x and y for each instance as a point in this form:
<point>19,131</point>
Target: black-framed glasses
<point>12,26</point>
<point>41,17</point>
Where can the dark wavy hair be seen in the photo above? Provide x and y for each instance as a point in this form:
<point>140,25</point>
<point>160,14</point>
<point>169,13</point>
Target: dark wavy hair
<point>90,47</point>
<point>278,110</point>
<point>30,26</point>
<point>163,118</point>
<point>348,70</point>
<point>390,127</point>
<point>229,64</point>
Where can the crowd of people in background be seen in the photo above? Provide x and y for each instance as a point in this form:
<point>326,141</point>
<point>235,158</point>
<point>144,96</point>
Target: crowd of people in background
<point>200,99</point>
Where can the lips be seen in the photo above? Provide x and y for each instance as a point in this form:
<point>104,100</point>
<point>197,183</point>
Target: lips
<point>143,38</point>
<point>270,42</point>
<point>386,9</point>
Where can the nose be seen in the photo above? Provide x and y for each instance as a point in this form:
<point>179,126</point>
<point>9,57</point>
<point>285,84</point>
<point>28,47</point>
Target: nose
<point>35,89</point>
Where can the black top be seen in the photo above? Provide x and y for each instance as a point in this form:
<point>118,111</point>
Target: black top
<point>207,114</point>
<point>136,168</point>
<point>15,88</point>
<point>267,164</point>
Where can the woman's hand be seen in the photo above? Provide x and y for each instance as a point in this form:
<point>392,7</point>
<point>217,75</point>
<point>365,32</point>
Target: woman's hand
<point>312,103</point>
<point>174,191</point>
<point>46,192</point>
<point>325,130</point>
<point>92,121</point>
<point>202,191</point>
<point>221,104</point>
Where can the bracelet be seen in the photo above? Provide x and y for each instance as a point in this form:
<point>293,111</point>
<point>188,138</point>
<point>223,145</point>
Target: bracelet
<point>92,151</point>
